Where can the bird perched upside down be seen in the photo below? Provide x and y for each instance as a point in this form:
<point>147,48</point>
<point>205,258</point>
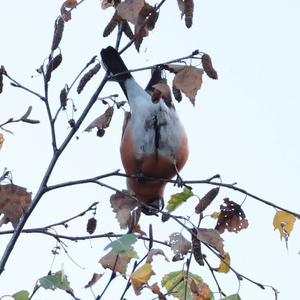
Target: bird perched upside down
<point>154,143</point>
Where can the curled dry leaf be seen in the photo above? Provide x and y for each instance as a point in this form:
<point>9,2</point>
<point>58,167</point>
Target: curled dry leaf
<point>224,266</point>
<point>284,222</point>
<point>116,262</point>
<point>206,200</point>
<point>154,252</point>
<point>155,289</point>
<point>130,9</point>
<point>211,237</point>
<point>208,67</point>
<point>140,277</point>
<point>189,81</point>
<point>179,244</point>
<point>232,217</point>
<point>87,77</point>
<point>94,279</point>
<point>200,291</point>
<point>102,121</point>
<point>14,200</point>
<point>123,205</point>
<point>53,64</point>
<point>66,8</point>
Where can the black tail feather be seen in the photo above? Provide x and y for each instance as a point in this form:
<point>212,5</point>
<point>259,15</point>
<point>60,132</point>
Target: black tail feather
<point>114,63</point>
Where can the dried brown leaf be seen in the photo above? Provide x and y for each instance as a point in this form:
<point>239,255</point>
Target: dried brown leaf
<point>93,280</point>
<point>130,9</point>
<point>162,90</point>
<point>116,262</point>
<point>123,205</point>
<point>14,200</point>
<point>232,217</point>
<point>66,8</point>
<point>189,81</point>
<point>155,289</point>
<point>154,252</point>
<point>174,68</point>
<point>211,237</point>
<point>179,244</point>
<point>102,121</point>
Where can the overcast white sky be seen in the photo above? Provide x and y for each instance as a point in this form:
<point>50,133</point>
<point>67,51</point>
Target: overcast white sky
<point>245,126</point>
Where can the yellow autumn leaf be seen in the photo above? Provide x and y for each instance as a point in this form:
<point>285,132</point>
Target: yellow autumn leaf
<point>224,266</point>
<point>140,277</point>
<point>1,140</point>
<point>284,222</point>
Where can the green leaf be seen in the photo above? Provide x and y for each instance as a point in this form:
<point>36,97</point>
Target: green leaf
<point>123,244</point>
<point>55,281</point>
<point>232,297</point>
<point>177,199</point>
<point>22,295</point>
<point>175,284</point>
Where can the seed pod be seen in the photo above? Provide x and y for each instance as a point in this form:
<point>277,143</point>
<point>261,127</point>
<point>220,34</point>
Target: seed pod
<point>112,24</point>
<point>58,32</point>
<point>196,247</point>
<point>53,64</point>
<point>87,77</point>
<point>189,11</point>
<point>63,98</point>
<point>100,132</point>
<point>127,30</point>
<point>206,200</point>
<point>176,92</point>
<point>91,225</point>
<point>208,67</point>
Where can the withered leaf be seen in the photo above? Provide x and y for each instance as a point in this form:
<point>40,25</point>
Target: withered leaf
<point>155,289</point>
<point>14,200</point>
<point>102,121</point>
<point>154,252</point>
<point>1,140</point>
<point>232,217</point>
<point>188,11</point>
<point>140,277</point>
<point>123,205</point>
<point>93,280</point>
<point>116,262</point>
<point>189,81</point>
<point>130,9</point>
<point>211,237</point>
<point>174,68</point>
<point>179,244</point>
<point>65,9</point>
<point>162,90</point>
